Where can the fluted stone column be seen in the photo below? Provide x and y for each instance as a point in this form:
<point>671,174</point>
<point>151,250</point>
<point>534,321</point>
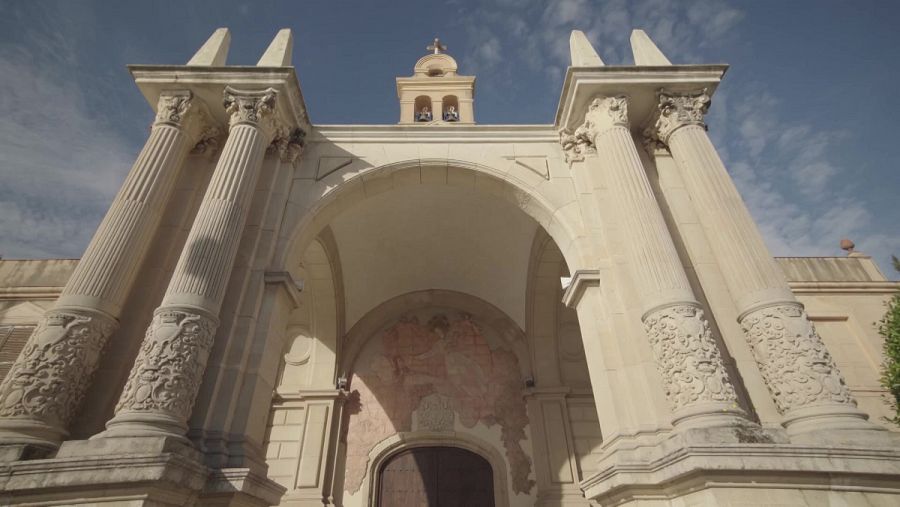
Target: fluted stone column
<point>159,395</point>
<point>686,354</point>
<point>802,377</point>
<point>49,379</point>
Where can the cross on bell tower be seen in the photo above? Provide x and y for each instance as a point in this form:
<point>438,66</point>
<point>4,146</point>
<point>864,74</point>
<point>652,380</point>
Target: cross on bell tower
<point>436,46</point>
<point>436,94</point>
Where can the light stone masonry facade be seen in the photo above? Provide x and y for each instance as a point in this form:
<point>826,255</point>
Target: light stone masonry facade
<point>273,312</point>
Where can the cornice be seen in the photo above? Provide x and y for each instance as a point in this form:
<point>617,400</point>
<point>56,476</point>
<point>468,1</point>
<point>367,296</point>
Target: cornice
<point>446,133</point>
<point>208,83</point>
<point>641,83</point>
<point>581,280</point>
<point>886,288</point>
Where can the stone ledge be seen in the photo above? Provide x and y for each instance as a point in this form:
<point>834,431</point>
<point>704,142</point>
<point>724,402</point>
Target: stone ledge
<point>673,470</point>
<point>242,485</point>
<point>146,469</point>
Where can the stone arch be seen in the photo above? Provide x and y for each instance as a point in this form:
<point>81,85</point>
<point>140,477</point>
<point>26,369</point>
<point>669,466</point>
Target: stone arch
<point>393,445</point>
<point>340,191</point>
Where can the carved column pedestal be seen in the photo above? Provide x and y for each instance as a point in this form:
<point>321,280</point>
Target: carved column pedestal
<point>47,383</point>
<point>687,356</point>
<point>806,385</point>
<point>160,392</point>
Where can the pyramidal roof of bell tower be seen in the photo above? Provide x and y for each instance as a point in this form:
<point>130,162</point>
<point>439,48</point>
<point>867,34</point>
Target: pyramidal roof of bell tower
<point>436,93</point>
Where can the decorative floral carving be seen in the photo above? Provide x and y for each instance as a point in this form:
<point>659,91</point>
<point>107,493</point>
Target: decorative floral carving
<point>173,106</point>
<point>49,379</point>
<point>793,359</point>
<point>677,110</point>
<point>288,143</point>
<point>255,107</point>
<point>168,369</point>
<point>687,356</point>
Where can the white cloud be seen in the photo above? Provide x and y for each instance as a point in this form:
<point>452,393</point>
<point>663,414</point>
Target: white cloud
<point>61,161</point>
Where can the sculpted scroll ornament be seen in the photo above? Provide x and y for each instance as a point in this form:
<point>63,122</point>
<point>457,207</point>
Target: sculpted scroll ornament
<point>678,110</point>
<point>49,379</point>
<point>167,372</point>
<point>792,358</point>
<point>687,356</point>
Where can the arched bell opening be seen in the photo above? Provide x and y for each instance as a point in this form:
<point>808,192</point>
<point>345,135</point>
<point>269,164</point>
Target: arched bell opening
<point>422,111</point>
<point>450,105</point>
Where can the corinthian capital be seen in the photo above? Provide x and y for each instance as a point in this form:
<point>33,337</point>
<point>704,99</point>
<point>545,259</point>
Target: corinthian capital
<point>173,107</point>
<point>255,107</point>
<point>607,112</point>
<point>603,113</point>
<point>675,110</point>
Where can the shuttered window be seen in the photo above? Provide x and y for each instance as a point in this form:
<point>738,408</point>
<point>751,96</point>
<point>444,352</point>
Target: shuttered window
<point>12,339</point>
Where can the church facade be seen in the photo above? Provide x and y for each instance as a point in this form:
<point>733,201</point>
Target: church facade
<point>437,312</point>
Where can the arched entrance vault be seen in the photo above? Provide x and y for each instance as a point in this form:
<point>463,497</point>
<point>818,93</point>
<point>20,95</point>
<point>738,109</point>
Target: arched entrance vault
<point>428,264</point>
<point>340,191</point>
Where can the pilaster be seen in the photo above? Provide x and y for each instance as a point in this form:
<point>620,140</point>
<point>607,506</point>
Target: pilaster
<point>556,469</point>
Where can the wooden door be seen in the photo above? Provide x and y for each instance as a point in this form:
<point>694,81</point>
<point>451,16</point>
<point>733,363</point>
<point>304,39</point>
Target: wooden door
<point>436,477</point>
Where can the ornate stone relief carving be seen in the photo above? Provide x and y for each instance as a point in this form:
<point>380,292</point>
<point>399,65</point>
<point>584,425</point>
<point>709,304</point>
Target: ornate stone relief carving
<point>209,143</point>
<point>435,413</point>
<point>677,110</point>
<point>576,144</point>
<point>49,379</point>
<point>288,143</point>
<point>792,358</point>
<point>168,369</point>
<point>687,356</point>
<point>254,107</point>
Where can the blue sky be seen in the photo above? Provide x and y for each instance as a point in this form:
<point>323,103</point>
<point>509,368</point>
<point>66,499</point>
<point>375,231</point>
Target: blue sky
<point>803,118</point>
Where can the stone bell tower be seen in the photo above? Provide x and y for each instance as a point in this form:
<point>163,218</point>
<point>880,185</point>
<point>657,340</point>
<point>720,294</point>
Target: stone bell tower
<point>435,93</point>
